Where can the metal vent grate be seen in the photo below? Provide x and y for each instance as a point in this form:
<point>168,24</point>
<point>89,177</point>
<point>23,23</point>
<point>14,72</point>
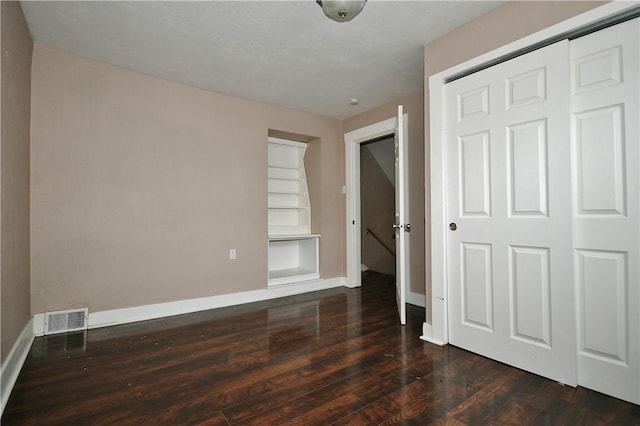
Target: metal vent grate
<point>65,321</point>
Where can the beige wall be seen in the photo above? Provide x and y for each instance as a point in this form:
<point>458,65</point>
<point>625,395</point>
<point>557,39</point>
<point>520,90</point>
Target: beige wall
<point>141,186</point>
<point>414,107</point>
<point>15,68</point>
<point>500,26</point>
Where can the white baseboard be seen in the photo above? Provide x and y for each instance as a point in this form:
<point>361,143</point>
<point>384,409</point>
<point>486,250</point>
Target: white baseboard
<point>161,310</point>
<point>416,299</point>
<point>38,324</point>
<point>427,335</point>
<point>10,370</point>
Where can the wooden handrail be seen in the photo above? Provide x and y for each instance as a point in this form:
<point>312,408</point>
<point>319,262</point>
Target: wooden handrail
<point>386,247</point>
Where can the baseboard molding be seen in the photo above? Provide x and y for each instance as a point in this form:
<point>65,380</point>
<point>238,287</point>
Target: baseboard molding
<point>427,335</point>
<point>161,310</point>
<point>416,299</point>
<point>10,370</point>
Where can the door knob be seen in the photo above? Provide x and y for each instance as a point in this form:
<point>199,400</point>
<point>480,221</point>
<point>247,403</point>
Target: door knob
<point>406,227</point>
<point>453,226</point>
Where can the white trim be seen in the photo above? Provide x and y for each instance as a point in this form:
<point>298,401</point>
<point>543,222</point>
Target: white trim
<point>439,329</point>
<point>38,324</point>
<point>439,313</point>
<point>13,364</point>
<point>287,142</point>
<point>427,335</point>
<point>349,284</point>
<point>161,310</point>
<point>416,299</point>
<point>352,142</point>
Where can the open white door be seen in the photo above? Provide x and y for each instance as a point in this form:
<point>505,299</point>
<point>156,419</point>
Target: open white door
<point>402,226</point>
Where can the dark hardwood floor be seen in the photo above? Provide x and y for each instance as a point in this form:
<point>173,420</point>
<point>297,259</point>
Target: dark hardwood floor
<point>332,357</point>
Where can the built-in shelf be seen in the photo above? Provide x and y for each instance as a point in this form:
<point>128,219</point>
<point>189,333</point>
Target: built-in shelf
<point>293,259</point>
<point>286,276</point>
<point>293,251</point>
<point>288,199</point>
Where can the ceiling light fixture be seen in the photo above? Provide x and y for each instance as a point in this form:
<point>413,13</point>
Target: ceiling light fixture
<point>341,10</point>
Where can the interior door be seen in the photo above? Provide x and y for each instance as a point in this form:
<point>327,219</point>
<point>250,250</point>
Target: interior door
<point>402,225</point>
<point>605,137</point>
<point>508,193</point>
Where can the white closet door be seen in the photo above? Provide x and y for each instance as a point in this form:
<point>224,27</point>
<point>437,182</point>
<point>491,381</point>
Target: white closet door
<point>605,137</point>
<point>508,196</point>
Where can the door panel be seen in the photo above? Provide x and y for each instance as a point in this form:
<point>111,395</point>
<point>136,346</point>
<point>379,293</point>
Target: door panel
<point>600,156</point>
<point>605,136</point>
<point>604,335</point>
<point>508,193</point>
<point>477,285</point>
<point>474,166</point>
<point>530,294</point>
<point>527,168</point>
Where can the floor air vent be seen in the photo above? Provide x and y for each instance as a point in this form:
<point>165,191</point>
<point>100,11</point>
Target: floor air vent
<point>65,321</point>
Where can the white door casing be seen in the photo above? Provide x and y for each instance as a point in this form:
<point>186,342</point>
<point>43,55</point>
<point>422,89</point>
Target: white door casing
<point>402,225</point>
<point>352,142</point>
<point>509,205</point>
<point>605,117</point>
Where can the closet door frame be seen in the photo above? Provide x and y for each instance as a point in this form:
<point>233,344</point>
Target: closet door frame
<point>437,331</point>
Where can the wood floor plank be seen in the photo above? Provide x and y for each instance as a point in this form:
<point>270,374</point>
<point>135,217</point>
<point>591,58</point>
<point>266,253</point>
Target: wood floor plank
<point>321,406</point>
<point>372,414</point>
<point>337,356</point>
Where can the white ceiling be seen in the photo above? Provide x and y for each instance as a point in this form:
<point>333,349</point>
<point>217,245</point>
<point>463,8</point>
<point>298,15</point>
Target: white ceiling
<point>278,52</point>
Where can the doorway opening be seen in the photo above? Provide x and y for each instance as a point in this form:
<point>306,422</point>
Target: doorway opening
<point>397,129</point>
<point>377,211</point>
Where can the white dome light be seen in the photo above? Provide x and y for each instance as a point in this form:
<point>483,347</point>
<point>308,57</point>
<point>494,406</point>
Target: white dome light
<point>341,10</point>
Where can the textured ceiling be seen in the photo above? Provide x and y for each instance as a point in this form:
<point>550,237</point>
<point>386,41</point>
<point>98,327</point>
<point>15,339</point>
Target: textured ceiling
<point>278,52</point>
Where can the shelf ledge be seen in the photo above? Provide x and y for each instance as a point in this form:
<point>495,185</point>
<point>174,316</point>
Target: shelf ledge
<point>293,237</point>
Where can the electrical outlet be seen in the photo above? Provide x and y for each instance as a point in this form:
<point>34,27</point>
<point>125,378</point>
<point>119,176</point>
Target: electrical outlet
<point>232,254</point>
